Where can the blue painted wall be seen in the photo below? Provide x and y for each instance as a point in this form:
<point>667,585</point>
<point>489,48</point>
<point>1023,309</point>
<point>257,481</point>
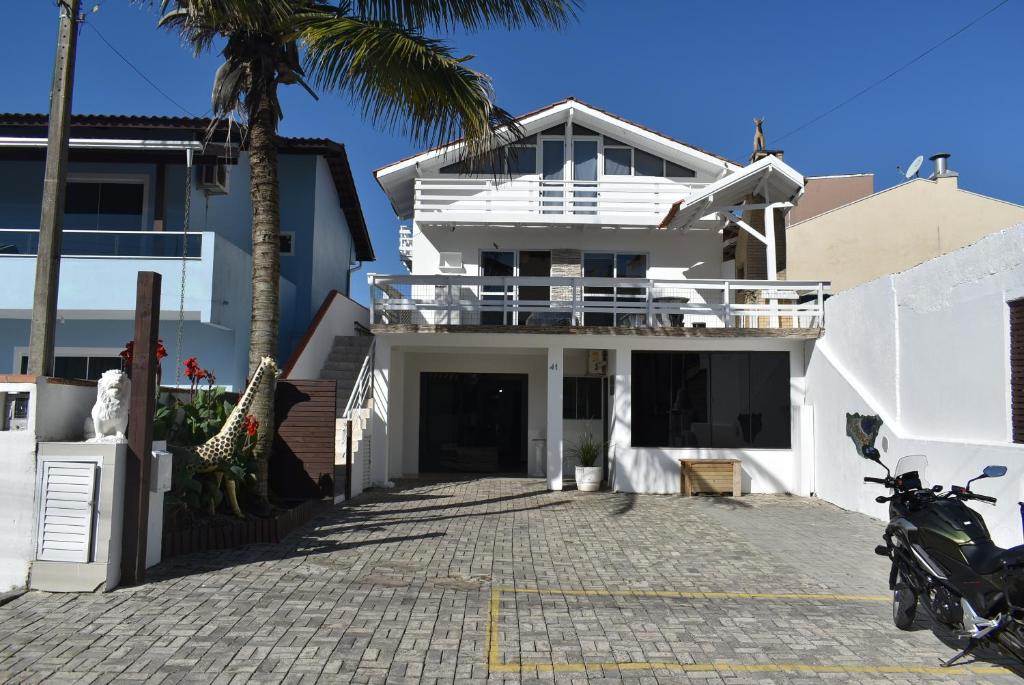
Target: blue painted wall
<point>309,209</point>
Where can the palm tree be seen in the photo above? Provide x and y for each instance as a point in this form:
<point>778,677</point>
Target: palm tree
<point>373,51</point>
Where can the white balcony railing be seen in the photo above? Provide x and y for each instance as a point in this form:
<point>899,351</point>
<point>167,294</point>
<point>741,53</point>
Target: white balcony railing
<point>615,302</point>
<point>624,202</point>
<point>405,246</point>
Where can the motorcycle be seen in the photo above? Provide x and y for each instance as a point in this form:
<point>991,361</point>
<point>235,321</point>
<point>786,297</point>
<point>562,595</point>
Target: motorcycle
<point>943,557</point>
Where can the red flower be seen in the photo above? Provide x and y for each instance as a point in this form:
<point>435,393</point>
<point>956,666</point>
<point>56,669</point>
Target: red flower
<point>161,351</point>
<point>251,425</point>
<point>191,367</point>
<point>128,351</point>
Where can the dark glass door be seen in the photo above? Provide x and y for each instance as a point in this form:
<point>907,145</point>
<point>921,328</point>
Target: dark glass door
<point>534,263</point>
<point>473,422</point>
<point>497,264</point>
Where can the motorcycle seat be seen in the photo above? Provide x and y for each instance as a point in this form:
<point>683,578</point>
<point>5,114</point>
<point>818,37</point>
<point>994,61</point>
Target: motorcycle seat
<point>989,558</point>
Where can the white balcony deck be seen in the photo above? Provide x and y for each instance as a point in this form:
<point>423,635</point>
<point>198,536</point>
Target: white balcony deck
<point>534,201</point>
<point>560,304</point>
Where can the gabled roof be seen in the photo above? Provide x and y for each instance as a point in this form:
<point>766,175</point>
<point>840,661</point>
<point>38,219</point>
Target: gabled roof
<point>769,177</point>
<point>530,117</point>
<point>395,176</point>
<point>15,124</point>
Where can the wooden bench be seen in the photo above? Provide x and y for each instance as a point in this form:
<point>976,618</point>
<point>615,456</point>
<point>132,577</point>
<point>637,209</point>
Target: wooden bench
<point>717,476</point>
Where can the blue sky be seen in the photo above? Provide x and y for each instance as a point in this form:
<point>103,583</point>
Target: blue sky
<point>696,71</point>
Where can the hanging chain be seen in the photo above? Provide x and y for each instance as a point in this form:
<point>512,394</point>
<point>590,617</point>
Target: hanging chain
<point>184,264</point>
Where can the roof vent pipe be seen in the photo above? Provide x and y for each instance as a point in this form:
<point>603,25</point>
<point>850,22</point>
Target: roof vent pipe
<point>940,164</point>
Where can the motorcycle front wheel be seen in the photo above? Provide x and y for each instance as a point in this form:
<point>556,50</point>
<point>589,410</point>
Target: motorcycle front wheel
<point>904,605</point>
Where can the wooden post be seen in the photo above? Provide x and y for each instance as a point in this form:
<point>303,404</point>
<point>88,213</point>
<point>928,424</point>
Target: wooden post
<point>51,221</point>
<point>140,430</point>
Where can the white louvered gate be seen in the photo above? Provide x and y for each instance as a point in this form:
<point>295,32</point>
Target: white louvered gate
<point>67,504</point>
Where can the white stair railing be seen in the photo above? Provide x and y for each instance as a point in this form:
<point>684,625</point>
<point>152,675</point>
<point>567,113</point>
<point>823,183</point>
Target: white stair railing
<point>363,386</point>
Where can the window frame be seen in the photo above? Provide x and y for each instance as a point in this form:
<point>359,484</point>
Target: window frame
<point>709,398</point>
<point>111,178</point>
<point>290,234</point>
<point>87,352</point>
<point>575,380</point>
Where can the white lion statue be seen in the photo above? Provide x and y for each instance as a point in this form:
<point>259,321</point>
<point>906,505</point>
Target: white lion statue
<point>109,419</point>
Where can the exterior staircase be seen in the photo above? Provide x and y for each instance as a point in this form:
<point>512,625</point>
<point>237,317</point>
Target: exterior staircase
<point>344,363</point>
<point>350,366</point>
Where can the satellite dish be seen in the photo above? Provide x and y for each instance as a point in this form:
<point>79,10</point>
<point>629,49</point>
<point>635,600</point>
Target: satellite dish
<point>914,167</point>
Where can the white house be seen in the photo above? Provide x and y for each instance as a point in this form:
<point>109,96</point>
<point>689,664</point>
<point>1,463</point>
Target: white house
<point>581,289</point>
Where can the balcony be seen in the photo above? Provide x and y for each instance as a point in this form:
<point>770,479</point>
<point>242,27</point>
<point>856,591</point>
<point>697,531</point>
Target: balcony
<point>98,271</point>
<point>539,202</point>
<point>614,305</point>
<point>133,244</point>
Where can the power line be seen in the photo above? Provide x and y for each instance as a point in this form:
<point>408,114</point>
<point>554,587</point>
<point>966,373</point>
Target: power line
<point>137,71</point>
<point>892,73</point>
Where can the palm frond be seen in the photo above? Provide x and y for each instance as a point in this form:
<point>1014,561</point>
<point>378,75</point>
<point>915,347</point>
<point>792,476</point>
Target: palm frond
<point>471,15</point>
<point>406,82</point>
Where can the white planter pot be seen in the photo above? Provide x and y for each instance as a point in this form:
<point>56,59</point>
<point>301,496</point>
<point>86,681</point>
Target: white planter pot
<point>588,478</point>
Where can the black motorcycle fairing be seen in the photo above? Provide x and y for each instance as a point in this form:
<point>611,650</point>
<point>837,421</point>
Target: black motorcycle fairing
<point>989,558</point>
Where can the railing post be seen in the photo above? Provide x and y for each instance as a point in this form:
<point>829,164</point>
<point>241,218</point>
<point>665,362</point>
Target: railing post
<point>575,316</point>
<point>821,304</point>
<point>505,292</point>
<point>373,299</point>
<point>727,308</point>
<point>451,302</point>
<point>650,304</point>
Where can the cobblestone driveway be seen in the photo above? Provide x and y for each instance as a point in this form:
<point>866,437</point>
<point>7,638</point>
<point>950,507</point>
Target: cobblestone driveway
<point>497,580</point>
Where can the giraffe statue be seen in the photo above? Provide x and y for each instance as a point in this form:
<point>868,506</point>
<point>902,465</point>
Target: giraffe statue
<point>217,452</point>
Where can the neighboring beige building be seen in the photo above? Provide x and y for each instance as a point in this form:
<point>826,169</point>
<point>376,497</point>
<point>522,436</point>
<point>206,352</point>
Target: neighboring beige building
<point>893,230</point>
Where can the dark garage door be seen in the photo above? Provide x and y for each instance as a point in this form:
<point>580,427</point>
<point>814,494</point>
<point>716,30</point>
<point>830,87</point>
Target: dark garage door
<point>473,422</point>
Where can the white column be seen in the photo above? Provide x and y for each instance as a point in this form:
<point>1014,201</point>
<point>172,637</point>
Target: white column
<point>554,437</point>
<point>769,234</point>
<point>379,442</point>
<point>620,434</point>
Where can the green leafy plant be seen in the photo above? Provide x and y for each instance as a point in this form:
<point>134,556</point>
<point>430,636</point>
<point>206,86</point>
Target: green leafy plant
<point>587,451</point>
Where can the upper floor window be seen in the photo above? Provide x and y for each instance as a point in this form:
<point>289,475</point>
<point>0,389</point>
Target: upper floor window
<point>520,158</point>
<point>622,160</point>
<point>112,204</point>
<point>79,366</point>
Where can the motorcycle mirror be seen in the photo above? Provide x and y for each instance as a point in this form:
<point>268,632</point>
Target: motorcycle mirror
<point>881,500</point>
<point>994,471</point>
<point>936,488</point>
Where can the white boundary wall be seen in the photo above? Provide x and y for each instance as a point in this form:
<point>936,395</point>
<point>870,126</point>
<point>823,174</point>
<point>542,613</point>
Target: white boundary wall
<point>340,319</point>
<point>57,411</point>
<point>928,351</point>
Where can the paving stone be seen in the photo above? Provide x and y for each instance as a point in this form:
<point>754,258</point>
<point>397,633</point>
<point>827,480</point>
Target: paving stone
<point>397,587</point>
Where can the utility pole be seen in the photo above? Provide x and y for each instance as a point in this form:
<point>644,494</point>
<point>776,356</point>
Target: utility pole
<point>44,302</point>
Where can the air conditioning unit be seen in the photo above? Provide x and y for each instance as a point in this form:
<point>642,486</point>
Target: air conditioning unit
<point>213,178</point>
<point>450,261</point>
<point>597,362</point>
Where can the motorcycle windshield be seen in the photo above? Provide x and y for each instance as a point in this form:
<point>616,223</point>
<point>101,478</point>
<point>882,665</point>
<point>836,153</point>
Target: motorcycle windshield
<point>914,463</point>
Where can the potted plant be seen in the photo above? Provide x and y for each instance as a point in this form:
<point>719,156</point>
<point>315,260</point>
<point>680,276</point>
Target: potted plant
<point>588,475</point>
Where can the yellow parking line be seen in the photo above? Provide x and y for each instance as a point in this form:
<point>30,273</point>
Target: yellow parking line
<point>698,595</point>
<point>495,664</point>
<point>726,668</point>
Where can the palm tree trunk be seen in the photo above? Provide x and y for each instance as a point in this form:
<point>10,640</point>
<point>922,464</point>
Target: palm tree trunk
<point>266,268</point>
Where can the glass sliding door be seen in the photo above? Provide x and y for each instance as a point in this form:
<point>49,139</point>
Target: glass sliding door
<point>631,266</point>
<point>535,263</point>
<point>496,263</point>
<point>598,265</point>
<point>552,176</point>
<point>612,265</point>
<point>584,176</point>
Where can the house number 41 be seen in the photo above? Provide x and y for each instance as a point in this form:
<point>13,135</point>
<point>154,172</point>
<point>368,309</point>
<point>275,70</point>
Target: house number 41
<point>554,366</point>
